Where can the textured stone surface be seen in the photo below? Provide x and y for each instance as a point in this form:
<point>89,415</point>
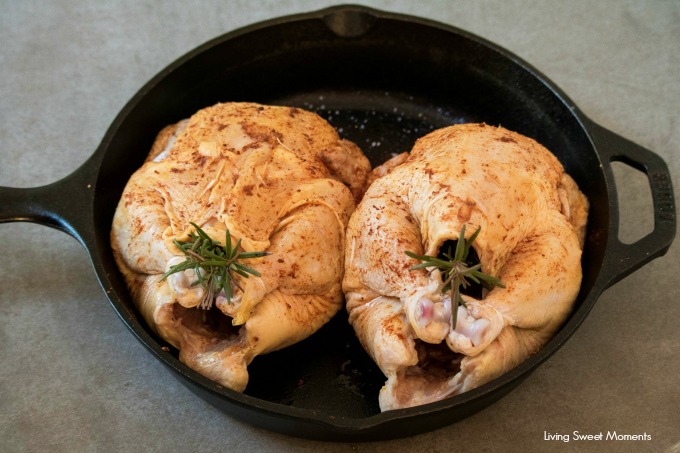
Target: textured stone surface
<point>72,378</point>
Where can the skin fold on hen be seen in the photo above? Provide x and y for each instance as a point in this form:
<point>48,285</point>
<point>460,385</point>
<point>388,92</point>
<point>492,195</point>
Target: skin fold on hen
<point>280,180</point>
<point>532,218</point>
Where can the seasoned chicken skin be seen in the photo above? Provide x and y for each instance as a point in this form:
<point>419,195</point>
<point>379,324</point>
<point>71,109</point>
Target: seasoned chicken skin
<point>280,180</point>
<point>532,218</point>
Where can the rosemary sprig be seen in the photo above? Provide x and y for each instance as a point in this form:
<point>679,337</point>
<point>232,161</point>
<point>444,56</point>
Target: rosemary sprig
<point>214,264</point>
<point>456,271</point>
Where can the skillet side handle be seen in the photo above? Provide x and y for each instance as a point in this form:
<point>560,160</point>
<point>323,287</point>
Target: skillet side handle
<point>623,259</point>
<point>65,205</point>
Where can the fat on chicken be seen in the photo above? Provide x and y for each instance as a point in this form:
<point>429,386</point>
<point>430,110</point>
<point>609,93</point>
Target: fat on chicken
<point>532,218</point>
<point>277,178</point>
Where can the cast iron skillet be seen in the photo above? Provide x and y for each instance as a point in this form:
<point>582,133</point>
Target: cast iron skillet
<point>383,80</point>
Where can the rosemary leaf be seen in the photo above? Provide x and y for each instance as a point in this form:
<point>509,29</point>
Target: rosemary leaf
<point>213,264</point>
<point>244,270</point>
<point>456,271</point>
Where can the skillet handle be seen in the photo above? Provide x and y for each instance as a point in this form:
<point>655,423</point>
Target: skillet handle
<point>66,205</point>
<point>623,259</point>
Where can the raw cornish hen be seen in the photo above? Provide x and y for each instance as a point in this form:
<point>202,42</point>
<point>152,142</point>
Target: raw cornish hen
<point>281,181</point>
<point>532,218</point>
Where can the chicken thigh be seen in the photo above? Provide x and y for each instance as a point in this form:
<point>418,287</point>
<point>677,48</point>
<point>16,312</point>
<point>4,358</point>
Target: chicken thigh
<point>531,218</point>
<point>278,179</point>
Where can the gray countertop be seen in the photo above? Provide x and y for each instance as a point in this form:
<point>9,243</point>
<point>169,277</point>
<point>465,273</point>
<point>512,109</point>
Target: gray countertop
<point>73,378</point>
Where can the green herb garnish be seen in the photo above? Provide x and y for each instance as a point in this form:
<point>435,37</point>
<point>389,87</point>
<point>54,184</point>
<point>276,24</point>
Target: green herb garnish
<point>213,264</point>
<point>456,270</point>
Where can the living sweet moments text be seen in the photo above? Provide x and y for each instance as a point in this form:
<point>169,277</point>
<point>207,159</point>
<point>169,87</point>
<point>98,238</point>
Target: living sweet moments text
<point>578,436</point>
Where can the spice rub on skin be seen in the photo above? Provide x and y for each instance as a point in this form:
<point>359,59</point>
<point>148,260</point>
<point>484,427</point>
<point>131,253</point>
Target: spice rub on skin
<point>532,218</point>
<point>277,179</point>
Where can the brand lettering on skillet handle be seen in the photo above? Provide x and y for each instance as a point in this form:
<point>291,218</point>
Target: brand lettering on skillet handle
<point>664,193</point>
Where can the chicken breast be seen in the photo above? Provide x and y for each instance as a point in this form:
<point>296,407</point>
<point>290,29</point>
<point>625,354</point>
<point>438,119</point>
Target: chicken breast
<point>281,181</point>
<point>532,218</point>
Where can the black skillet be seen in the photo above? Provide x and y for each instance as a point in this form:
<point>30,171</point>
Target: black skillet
<point>383,80</point>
